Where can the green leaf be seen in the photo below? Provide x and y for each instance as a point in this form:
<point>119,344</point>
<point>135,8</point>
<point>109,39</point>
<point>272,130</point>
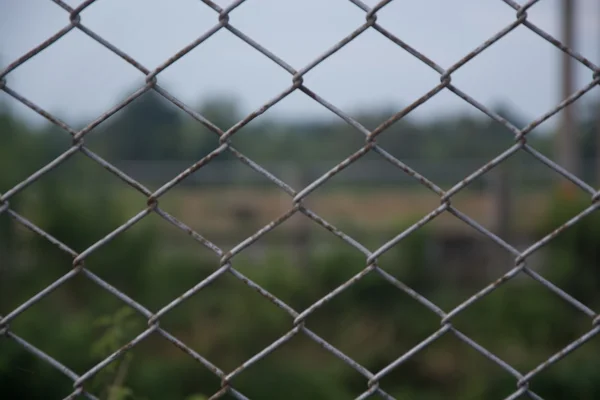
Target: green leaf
<point>196,397</point>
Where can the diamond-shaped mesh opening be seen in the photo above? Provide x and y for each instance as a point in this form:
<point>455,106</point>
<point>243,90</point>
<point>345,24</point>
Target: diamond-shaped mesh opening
<point>223,64</point>
<point>529,322</point>
<point>296,43</point>
<point>157,141</point>
<point>334,378</point>
<point>519,49</point>
<point>447,147</point>
<point>93,324</point>
<point>280,131</point>
<point>71,219</point>
<point>406,80</point>
<point>448,368</point>
<point>546,15</point>
<point>28,271</point>
<point>446,258</point>
<point>21,13</point>
<point>27,155</point>
<point>460,30</point>
<point>227,328</point>
<point>136,373</point>
<point>19,367</point>
<point>118,23</point>
<point>570,376</point>
<point>359,331</point>
<point>541,139</point>
<point>73,84</point>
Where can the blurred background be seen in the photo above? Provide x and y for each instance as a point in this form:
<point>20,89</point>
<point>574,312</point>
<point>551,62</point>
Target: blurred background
<point>521,78</point>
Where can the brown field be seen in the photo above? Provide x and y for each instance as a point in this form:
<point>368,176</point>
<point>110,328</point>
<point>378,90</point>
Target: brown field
<point>220,210</point>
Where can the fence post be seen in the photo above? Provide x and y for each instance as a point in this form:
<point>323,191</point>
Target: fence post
<point>503,210</point>
<point>502,201</point>
<point>298,178</point>
<point>566,141</point>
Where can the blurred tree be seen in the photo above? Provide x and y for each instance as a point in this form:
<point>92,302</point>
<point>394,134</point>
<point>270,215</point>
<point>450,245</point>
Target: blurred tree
<point>147,129</point>
<point>197,139</point>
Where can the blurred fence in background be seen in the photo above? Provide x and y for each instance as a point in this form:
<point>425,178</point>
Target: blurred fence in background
<point>223,173</point>
<point>516,261</point>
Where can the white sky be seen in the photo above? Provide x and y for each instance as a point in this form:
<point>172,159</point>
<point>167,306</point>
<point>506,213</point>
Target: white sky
<point>79,79</point>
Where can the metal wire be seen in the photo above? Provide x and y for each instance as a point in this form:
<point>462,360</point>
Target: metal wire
<point>297,196</point>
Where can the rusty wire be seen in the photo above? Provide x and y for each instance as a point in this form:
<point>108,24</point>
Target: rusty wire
<point>297,320</point>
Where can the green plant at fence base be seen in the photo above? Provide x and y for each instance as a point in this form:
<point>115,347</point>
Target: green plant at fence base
<point>118,328</point>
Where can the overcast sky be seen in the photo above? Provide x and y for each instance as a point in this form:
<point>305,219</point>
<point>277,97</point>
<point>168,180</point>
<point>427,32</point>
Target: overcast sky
<point>79,79</point>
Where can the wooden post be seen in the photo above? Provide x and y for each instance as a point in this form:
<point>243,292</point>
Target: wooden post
<point>503,201</point>
<point>503,207</point>
<point>567,143</point>
<point>299,178</point>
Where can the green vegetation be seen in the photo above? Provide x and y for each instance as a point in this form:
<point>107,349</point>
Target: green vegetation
<point>373,322</point>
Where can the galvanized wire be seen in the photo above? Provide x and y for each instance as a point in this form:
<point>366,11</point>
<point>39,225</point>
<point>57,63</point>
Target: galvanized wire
<point>297,196</point>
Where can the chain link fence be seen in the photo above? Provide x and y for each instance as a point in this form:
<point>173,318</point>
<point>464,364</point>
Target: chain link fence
<point>297,196</point>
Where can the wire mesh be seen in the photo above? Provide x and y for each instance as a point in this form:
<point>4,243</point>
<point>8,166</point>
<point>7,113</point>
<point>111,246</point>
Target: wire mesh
<point>297,197</point>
